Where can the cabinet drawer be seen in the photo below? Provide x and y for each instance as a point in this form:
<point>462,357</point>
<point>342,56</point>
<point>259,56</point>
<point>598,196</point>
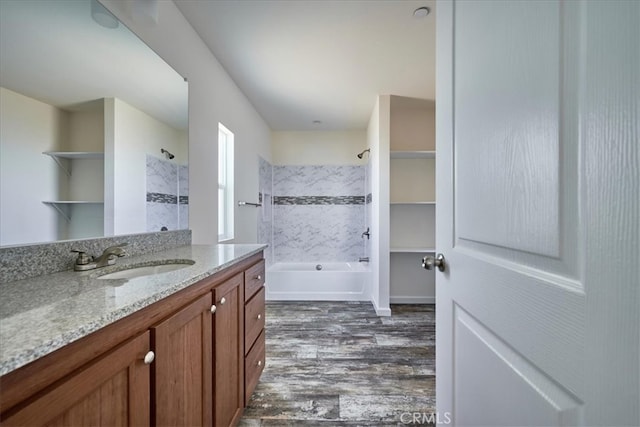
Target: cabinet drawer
<point>253,366</point>
<point>253,280</point>
<point>253,319</point>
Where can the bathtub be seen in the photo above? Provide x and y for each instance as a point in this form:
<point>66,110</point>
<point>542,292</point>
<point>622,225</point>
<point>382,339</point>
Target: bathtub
<point>301,281</point>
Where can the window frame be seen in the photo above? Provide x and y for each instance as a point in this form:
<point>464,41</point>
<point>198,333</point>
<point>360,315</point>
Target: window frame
<point>225,184</point>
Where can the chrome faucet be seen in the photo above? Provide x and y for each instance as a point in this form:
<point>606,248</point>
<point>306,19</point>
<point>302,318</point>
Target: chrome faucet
<point>363,259</point>
<point>85,262</point>
<point>366,233</point>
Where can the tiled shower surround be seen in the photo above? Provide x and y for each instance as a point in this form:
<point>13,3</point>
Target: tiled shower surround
<point>318,213</point>
<point>167,195</point>
<point>265,216</point>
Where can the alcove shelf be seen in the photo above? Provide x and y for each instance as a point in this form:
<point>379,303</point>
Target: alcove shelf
<point>62,206</point>
<point>412,203</point>
<point>403,154</point>
<point>72,155</point>
<point>412,199</point>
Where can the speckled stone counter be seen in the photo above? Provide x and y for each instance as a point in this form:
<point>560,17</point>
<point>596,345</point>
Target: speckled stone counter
<point>42,314</point>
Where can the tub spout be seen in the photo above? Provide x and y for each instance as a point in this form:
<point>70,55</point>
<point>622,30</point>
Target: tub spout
<point>363,259</point>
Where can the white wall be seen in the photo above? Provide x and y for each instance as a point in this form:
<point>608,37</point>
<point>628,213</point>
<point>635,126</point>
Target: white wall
<point>135,134</point>
<point>378,139</point>
<point>213,98</point>
<point>318,147</point>
<point>27,177</point>
<point>413,124</point>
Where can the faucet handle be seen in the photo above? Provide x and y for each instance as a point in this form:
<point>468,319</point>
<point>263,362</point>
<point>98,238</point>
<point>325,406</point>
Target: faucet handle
<point>83,258</point>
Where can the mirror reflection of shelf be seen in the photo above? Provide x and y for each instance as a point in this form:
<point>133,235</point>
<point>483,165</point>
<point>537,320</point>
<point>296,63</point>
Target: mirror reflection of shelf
<point>413,154</point>
<point>72,155</point>
<point>63,206</point>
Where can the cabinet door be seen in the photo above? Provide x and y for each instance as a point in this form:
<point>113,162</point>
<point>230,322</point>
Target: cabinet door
<point>112,391</point>
<point>182,369</point>
<point>229,351</point>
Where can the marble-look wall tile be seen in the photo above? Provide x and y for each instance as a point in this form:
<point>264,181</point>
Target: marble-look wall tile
<point>160,215</point>
<point>368,208</point>
<point>319,213</point>
<point>162,176</point>
<point>183,180</point>
<point>318,180</point>
<point>183,197</point>
<point>265,216</point>
<point>183,216</point>
<point>322,233</point>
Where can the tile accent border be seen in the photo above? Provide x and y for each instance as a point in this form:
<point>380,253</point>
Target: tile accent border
<point>318,200</point>
<point>162,198</point>
<point>23,262</point>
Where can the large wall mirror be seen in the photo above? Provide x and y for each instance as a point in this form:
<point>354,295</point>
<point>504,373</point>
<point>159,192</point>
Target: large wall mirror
<point>93,127</point>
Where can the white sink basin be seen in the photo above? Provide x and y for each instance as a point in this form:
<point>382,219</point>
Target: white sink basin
<point>147,270</point>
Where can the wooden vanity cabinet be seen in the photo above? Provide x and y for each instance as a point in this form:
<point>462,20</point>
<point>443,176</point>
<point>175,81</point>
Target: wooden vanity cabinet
<point>197,377</point>
<point>228,322</point>
<point>113,390</point>
<point>182,369</point>
<point>254,318</point>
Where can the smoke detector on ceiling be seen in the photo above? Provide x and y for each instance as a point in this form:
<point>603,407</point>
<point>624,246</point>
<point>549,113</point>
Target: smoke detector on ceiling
<point>421,12</point>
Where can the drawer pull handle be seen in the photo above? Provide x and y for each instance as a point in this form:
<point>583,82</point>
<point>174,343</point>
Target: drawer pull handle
<point>259,362</point>
<point>259,316</point>
<point>149,357</point>
<point>259,277</point>
<point>213,308</point>
<point>223,300</point>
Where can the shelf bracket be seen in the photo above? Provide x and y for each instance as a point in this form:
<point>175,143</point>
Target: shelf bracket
<point>67,170</point>
<point>60,210</point>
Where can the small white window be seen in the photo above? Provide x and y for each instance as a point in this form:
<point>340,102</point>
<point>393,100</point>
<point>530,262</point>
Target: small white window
<point>225,183</point>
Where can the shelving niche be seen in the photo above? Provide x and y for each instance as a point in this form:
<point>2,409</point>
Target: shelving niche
<point>79,198</point>
<point>412,199</point>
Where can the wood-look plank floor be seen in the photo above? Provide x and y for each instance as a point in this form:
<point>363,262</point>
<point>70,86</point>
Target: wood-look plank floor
<point>338,363</point>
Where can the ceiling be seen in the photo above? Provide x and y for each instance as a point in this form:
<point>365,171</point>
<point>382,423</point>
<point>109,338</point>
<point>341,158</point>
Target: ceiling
<point>319,60</point>
<point>55,52</point>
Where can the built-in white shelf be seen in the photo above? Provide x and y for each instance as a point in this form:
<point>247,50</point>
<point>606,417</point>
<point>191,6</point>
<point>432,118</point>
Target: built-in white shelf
<point>412,250</point>
<point>75,154</point>
<point>414,203</point>
<point>72,155</point>
<point>413,154</point>
<point>62,206</point>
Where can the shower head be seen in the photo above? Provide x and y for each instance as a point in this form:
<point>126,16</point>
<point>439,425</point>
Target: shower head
<point>167,154</point>
<point>368,150</point>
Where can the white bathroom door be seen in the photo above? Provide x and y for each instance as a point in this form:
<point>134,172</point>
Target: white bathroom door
<point>538,213</point>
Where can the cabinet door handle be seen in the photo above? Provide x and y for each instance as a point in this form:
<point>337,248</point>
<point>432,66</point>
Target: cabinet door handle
<point>259,362</point>
<point>149,358</point>
<point>259,316</point>
<point>213,308</point>
<point>223,300</point>
<point>259,277</point>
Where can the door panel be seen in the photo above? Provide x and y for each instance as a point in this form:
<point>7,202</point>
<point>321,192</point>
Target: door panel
<point>489,369</point>
<point>228,326</point>
<point>507,124</point>
<point>111,391</point>
<point>538,185</point>
<point>183,366</point>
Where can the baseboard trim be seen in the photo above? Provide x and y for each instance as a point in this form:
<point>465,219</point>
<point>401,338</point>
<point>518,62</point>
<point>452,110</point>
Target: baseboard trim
<point>381,311</point>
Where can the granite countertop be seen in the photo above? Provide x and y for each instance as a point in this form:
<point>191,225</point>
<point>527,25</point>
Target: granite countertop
<point>42,314</point>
